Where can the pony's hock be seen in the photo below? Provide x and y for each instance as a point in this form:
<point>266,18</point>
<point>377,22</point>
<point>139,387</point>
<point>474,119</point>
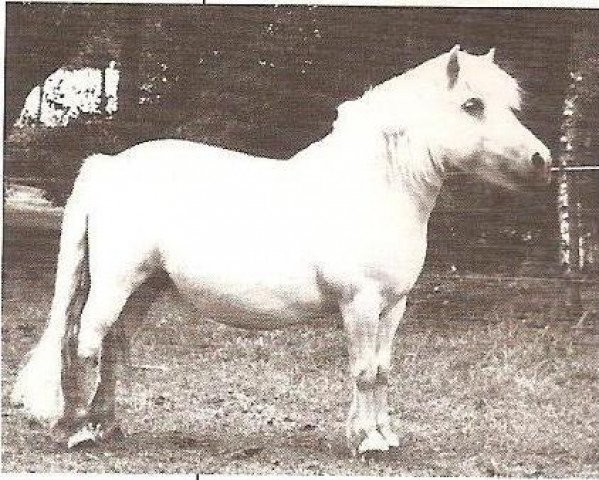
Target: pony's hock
<point>337,231</point>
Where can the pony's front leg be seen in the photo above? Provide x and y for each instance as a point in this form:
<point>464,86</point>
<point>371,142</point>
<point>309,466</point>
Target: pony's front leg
<point>361,319</point>
<point>388,324</point>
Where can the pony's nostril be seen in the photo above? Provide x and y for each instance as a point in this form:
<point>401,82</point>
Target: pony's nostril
<point>537,160</point>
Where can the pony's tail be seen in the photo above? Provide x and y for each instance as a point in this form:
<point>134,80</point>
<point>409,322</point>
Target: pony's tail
<point>38,387</point>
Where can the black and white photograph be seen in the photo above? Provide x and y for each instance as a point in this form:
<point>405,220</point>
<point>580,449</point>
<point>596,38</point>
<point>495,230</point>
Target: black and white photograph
<point>300,239</point>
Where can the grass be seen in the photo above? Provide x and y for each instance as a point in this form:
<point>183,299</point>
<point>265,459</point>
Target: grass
<point>485,397</point>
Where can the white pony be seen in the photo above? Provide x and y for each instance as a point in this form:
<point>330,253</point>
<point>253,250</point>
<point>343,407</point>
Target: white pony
<point>338,230</point>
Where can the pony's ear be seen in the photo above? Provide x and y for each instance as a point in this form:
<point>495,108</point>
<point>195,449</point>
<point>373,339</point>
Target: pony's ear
<point>453,66</point>
<point>491,55</point>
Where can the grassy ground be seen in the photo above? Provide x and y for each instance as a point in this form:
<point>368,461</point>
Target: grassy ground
<point>488,380</point>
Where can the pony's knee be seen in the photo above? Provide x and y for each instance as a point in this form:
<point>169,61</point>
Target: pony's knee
<point>365,377</point>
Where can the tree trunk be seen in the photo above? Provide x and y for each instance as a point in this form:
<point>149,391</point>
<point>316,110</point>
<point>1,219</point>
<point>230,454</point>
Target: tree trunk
<point>568,214</point>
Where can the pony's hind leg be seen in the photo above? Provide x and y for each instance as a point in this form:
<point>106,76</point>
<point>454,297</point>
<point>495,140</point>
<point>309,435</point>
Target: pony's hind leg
<point>100,313</point>
<point>80,384</point>
<point>115,349</point>
<point>102,408</point>
<point>91,375</point>
<point>94,375</point>
<point>389,321</point>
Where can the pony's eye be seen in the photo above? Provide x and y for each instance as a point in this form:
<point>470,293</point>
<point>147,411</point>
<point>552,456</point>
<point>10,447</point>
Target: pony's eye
<point>474,106</point>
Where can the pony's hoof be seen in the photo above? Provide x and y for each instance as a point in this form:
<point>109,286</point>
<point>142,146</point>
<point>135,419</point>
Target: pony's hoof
<point>390,436</point>
<point>87,436</point>
<point>374,442</point>
<point>93,433</point>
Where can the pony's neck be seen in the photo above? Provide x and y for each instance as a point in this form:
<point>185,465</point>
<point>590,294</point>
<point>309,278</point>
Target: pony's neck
<point>384,133</point>
<point>395,160</point>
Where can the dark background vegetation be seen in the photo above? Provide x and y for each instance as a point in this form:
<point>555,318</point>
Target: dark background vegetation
<point>266,80</point>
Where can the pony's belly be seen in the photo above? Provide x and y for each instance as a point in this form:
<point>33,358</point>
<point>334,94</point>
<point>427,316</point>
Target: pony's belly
<point>258,304</point>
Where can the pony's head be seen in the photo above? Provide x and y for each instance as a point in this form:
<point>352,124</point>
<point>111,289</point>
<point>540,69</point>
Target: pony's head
<point>460,110</point>
<point>473,125</point>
